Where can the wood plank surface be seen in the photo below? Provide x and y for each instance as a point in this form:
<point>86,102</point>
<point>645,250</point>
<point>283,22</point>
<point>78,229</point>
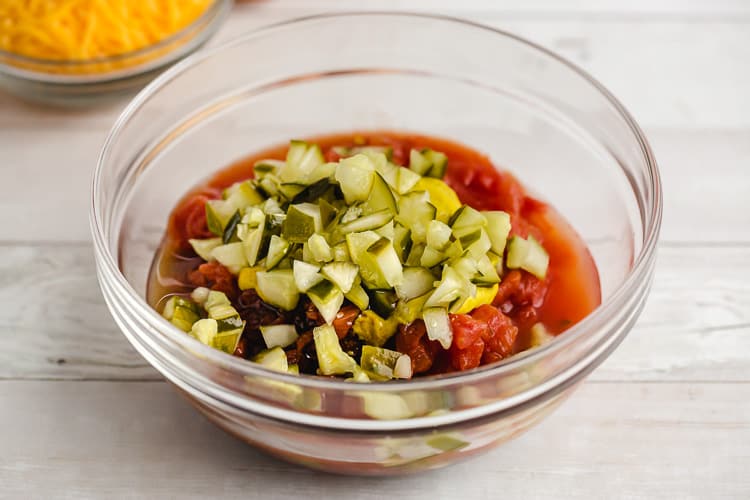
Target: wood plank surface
<point>141,440</point>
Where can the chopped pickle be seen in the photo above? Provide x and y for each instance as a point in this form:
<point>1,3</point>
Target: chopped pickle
<point>395,243</point>
<point>384,362</point>
<point>278,335</point>
<point>374,330</point>
<point>528,255</point>
<point>273,359</point>
<point>278,288</point>
<point>302,221</point>
<point>306,275</point>
<point>181,312</point>
<point>331,358</point>
<point>327,299</point>
<point>204,247</point>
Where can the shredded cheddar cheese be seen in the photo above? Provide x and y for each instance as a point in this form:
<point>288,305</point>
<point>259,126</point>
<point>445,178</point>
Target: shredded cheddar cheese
<point>79,30</point>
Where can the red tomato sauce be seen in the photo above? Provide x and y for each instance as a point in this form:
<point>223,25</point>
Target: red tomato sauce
<point>488,334</point>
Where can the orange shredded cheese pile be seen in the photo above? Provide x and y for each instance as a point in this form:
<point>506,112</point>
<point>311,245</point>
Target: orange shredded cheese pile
<point>76,30</point>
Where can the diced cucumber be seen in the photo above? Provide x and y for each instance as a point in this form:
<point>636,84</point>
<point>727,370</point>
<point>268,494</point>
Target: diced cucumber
<point>415,255</point>
<point>438,161</point>
<point>302,221</point>
<point>319,248</point>
<point>278,288</point>
<point>277,249</point>
<point>341,252</point>
<point>381,198</point>
<point>428,163</point>
<point>467,217</point>
<point>367,222</point>
<point>498,228</point>
<point>216,299</point>
<point>417,281</point>
<point>268,185</point>
<point>418,163</point>
<point>231,256</point>
<point>207,331</point>
<point>386,230</point>
<point>528,255</point>
<point>451,286</point>
<point>373,329</point>
<point>380,266</point>
<point>438,235</point>
<point>328,212</point>
<point>355,176</point>
<point>273,359</point>
<point>383,361</point>
<point>218,213</point>
<point>358,296</point>
<point>301,160</point>
<point>431,257</point>
<point>406,180</point>
<point>327,299</point>
<point>332,360</point>
<point>410,310</point>
<point>290,190</point>
<point>478,247</point>
<point>264,167</point>
<point>242,194</point>
<point>342,274</point>
<point>323,171</point>
<point>251,242</point>
<point>278,335</point>
<point>181,312</point>
<point>401,241</point>
<point>351,213</point>
<point>415,212</point>
<point>438,326</point>
<point>306,275</point>
<point>204,247</point>
<point>383,302</point>
<point>358,243</point>
<point>252,218</point>
<point>487,271</point>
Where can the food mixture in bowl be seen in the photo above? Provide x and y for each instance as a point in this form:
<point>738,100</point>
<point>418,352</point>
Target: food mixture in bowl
<point>371,257</point>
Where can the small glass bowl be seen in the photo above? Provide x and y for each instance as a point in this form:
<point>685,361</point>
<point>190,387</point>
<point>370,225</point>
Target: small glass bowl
<point>78,82</point>
<point>545,120</point>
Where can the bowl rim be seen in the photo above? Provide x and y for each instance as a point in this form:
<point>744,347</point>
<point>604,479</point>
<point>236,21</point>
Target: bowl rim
<point>212,15</point>
<point>651,221</point>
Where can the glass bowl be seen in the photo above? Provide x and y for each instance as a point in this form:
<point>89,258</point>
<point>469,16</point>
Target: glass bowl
<point>89,81</point>
<point>559,131</point>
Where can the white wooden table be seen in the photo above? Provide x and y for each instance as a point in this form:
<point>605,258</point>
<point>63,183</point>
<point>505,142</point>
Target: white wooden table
<point>668,416</point>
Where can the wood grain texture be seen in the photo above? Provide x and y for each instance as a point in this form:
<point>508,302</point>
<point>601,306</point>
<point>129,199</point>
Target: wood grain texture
<point>140,440</point>
<point>696,325</point>
<point>667,416</point>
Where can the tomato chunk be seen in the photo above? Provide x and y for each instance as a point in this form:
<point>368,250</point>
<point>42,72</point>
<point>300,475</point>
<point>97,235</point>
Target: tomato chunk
<point>411,340</point>
<point>500,334</point>
<point>216,277</point>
